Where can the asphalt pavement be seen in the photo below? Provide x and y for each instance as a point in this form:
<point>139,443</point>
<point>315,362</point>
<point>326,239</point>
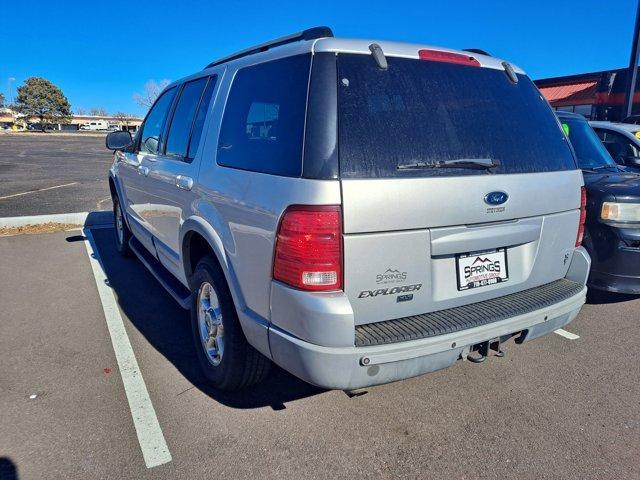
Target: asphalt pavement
<point>552,408</point>
<point>47,173</point>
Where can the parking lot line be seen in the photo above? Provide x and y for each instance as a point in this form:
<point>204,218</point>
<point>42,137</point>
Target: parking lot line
<point>37,190</point>
<point>150,437</point>
<point>565,334</point>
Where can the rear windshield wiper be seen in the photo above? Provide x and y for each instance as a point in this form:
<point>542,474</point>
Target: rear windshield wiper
<point>477,163</point>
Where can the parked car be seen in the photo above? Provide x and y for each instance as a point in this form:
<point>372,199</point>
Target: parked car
<point>633,119</point>
<point>622,141</point>
<point>38,127</point>
<point>96,125</point>
<point>356,212</point>
<point>612,231</point>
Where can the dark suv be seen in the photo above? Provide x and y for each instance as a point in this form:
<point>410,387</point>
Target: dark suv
<point>612,230</point>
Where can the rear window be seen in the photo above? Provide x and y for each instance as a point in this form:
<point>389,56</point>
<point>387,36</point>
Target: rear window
<point>198,124</point>
<point>589,149</point>
<point>180,130</point>
<point>423,112</point>
<point>263,124</point>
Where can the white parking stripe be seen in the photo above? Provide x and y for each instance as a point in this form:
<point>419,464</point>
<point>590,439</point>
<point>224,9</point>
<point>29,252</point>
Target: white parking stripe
<point>38,190</point>
<point>150,437</point>
<point>565,334</point>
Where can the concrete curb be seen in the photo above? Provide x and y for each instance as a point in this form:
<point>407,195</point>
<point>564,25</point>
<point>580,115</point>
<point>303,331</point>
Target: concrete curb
<point>54,134</point>
<point>87,219</point>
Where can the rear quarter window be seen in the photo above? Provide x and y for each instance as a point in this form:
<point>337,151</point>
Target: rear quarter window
<point>423,112</point>
<point>263,123</point>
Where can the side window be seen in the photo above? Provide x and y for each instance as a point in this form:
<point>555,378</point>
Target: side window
<point>629,148</point>
<point>185,111</point>
<point>263,124</point>
<point>198,124</point>
<point>153,124</point>
<point>620,147</point>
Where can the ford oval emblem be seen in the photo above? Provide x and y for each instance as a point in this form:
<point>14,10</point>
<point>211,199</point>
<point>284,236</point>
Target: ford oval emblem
<point>495,198</point>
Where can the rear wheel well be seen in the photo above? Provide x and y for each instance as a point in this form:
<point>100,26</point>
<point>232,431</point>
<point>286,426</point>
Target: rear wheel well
<point>195,246</point>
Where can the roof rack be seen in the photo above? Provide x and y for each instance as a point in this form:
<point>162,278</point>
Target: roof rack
<point>308,34</point>
<point>476,50</point>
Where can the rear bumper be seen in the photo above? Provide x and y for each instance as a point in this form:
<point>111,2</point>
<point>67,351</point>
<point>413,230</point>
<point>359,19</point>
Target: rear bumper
<point>342,367</point>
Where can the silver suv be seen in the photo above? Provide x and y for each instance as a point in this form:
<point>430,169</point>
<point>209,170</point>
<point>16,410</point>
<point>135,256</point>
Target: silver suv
<point>357,212</point>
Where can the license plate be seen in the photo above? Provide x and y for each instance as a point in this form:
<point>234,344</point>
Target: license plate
<point>481,268</point>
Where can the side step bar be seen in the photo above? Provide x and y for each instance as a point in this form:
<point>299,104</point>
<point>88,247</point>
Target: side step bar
<point>178,291</point>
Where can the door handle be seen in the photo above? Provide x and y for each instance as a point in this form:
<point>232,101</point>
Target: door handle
<point>142,170</point>
<point>183,182</point>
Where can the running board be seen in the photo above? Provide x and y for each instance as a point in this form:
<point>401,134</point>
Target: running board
<point>178,291</point>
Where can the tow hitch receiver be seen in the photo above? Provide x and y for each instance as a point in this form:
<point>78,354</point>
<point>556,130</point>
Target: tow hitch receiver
<point>483,350</point>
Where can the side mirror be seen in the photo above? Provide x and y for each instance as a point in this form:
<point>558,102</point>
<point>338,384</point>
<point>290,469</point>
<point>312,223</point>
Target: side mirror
<point>118,140</point>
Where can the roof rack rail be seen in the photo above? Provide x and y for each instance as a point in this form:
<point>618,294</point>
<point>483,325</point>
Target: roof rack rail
<point>476,50</point>
<point>308,34</point>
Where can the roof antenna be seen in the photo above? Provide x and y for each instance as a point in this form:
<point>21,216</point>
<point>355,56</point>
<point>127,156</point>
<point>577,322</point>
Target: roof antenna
<point>509,71</point>
<point>378,56</point>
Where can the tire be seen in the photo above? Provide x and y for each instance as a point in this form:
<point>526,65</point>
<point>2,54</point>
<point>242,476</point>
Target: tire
<point>226,358</point>
<point>121,231</point>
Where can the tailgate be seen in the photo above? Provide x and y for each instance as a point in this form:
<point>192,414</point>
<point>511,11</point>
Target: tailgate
<point>404,237</point>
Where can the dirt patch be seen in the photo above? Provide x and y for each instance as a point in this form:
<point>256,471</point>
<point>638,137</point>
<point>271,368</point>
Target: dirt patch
<point>42,228</point>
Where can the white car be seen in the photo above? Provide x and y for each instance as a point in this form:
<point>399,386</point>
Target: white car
<point>622,140</point>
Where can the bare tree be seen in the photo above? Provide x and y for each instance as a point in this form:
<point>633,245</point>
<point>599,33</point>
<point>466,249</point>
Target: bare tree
<point>80,111</point>
<point>151,91</point>
<point>98,112</point>
<point>123,118</point>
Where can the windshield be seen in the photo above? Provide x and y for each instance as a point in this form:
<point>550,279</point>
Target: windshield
<point>425,118</point>
<point>589,149</point>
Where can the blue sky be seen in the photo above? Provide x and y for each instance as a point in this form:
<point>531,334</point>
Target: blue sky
<point>101,52</point>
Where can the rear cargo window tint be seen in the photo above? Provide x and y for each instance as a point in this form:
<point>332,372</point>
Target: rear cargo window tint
<point>423,112</point>
<point>263,124</point>
<point>261,119</point>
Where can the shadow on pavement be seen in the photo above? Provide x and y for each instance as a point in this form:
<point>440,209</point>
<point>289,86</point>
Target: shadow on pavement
<point>166,326</point>
<point>8,469</point>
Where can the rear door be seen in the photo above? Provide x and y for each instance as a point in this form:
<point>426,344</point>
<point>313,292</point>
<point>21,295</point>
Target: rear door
<point>427,225</point>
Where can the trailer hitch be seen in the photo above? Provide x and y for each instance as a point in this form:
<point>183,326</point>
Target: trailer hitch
<point>483,351</point>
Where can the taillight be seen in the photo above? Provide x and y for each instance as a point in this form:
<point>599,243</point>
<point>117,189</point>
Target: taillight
<point>308,251</point>
<point>583,215</point>
<point>448,57</point>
